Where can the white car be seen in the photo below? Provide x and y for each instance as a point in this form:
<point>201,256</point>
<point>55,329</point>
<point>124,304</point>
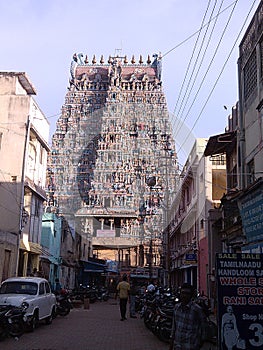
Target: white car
<point>32,293</point>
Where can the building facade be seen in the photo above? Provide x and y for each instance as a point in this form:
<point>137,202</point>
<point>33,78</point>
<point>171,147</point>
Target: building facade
<point>24,133</point>
<point>202,184</point>
<point>250,72</point>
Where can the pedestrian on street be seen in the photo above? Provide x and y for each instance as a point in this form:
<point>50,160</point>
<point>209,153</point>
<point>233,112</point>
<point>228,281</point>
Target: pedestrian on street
<point>133,293</point>
<point>57,286</point>
<point>123,289</point>
<point>188,322</point>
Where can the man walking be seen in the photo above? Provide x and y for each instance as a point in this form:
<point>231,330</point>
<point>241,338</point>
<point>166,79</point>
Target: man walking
<point>188,321</point>
<point>123,289</point>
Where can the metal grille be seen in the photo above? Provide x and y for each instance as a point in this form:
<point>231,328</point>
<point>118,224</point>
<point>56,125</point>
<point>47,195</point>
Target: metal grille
<point>250,75</point>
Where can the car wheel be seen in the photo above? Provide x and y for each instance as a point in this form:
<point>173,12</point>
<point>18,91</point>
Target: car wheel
<point>54,313</point>
<point>49,319</point>
<point>34,322</point>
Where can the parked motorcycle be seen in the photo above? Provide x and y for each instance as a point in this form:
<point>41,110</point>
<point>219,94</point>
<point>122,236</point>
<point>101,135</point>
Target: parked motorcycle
<point>85,292</point>
<point>102,294</point>
<point>157,312</point>
<point>63,303</point>
<point>164,322</point>
<point>12,321</point>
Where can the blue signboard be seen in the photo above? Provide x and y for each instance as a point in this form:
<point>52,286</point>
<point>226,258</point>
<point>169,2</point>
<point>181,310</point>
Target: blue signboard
<point>190,258</point>
<point>240,300</point>
<point>251,210</point>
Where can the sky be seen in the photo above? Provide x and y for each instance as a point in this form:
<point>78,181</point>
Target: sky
<point>198,40</point>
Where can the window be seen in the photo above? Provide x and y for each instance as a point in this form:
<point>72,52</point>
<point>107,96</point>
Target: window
<point>41,154</point>
<point>250,172</point>
<point>47,288</point>
<point>41,288</point>
<point>250,75</point>
<point>261,58</point>
<point>37,207</point>
<point>19,288</point>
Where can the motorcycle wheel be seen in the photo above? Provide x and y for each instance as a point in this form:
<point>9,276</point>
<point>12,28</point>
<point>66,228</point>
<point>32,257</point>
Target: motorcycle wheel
<point>33,324</point>
<point>2,333</point>
<point>164,334</point>
<point>92,299</point>
<point>16,329</point>
<point>64,311</point>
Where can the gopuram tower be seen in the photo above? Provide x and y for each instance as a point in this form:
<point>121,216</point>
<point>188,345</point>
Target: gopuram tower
<point>113,163</point>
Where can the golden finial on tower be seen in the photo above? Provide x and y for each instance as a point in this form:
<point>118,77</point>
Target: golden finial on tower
<point>94,59</point>
<point>140,60</point>
<point>133,59</point>
<point>86,60</point>
<point>125,59</point>
<point>110,59</point>
<point>149,60</point>
<point>101,59</point>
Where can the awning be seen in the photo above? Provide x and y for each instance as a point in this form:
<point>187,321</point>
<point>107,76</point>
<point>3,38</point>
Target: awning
<point>188,266</point>
<point>34,248</point>
<point>218,144</point>
<point>89,266</point>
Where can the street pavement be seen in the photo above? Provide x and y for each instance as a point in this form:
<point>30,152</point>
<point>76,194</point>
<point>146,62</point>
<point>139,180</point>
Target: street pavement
<point>96,328</point>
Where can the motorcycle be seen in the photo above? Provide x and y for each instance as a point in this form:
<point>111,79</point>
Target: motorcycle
<point>63,303</point>
<point>164,323</point>
<point>12,321</point>
<point>102,294</point>
<point>85,292</point>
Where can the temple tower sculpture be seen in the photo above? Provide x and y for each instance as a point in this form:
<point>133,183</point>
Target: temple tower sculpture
<point>113,164</point>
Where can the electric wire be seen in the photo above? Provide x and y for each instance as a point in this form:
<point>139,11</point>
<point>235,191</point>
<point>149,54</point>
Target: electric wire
<point>209,66</point>
<point>175,47</point>
<point>221,72</point>
<point>191,58</point>
<point>10,190</point>
<point>198,70</point>
<point>192,35</point>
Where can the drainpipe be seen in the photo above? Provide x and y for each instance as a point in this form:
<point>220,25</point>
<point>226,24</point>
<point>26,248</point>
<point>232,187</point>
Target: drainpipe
<point>241,140</point>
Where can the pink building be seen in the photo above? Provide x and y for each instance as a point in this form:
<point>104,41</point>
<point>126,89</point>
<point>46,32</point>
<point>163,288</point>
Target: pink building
<point>202,184</point>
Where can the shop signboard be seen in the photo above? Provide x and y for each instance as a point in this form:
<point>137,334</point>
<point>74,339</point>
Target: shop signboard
<point>190,258</point>
<point>251,210</point>
<point>240,300</point>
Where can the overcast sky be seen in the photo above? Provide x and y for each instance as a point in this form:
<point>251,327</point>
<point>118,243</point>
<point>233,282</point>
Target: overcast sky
<point>39,37</point>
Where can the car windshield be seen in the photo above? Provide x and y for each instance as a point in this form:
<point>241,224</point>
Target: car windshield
<point>18,287</point>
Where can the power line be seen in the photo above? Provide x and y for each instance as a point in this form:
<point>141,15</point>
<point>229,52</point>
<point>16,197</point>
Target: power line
<point>224,65</point>
<point>190,37</point>
<point>209,66</point>
<point>200,64</point>
<point>189,64</point>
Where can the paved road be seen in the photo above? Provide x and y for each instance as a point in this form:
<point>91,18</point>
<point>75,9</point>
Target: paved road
<point>98,328</point>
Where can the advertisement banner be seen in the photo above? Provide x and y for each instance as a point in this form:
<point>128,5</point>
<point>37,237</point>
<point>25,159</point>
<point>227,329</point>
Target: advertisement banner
<point>251,210</point>
<point>240,300</point>
<point>105,233</point>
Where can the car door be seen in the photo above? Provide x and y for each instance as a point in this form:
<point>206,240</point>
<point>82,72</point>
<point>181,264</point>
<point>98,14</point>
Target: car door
<point>50,299</point>
<point>42,301</point>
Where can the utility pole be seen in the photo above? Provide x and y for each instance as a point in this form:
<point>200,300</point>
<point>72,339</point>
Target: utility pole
<point>151,182</point>
<point>22,217</point>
